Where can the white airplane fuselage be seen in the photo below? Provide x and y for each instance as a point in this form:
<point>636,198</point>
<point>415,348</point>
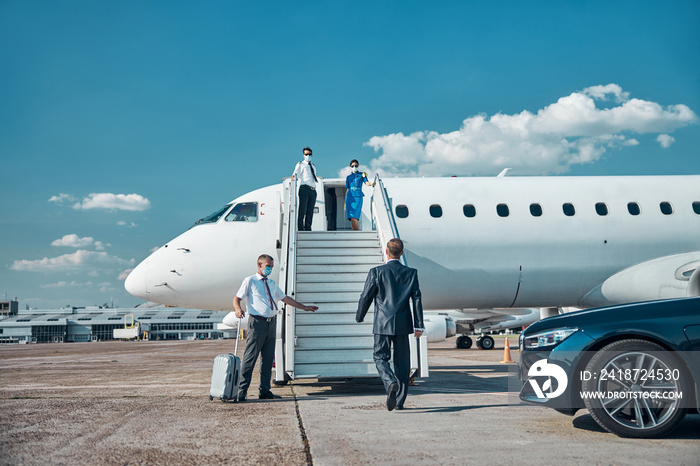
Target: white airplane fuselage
<point>504,242</point>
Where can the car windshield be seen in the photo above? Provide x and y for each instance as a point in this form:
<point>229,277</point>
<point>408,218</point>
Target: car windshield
<point>213,217</point>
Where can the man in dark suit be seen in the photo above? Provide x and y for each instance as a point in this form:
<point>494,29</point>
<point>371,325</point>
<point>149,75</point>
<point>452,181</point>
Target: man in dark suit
<point>391,286</point>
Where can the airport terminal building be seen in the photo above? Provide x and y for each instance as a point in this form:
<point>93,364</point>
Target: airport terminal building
<point>98,324</point>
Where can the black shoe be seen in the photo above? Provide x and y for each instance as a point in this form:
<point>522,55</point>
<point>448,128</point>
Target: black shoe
<point>399,407</point>
<point>268,395</point>
<point>391,396</point>
<point>241,398</point>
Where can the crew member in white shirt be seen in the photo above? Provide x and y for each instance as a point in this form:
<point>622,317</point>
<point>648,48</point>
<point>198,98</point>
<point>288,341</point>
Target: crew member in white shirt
<point>305,174</point>
<point>261,295</point>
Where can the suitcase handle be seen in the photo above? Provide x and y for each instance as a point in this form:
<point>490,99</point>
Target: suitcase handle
<point>238,334</point>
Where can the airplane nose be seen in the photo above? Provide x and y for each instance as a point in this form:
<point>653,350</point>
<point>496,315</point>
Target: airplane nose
<point>135,283</point>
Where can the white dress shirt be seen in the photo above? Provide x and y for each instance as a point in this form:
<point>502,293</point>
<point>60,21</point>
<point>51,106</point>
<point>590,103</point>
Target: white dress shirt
<point>302,172</point>
<point>253,292</point>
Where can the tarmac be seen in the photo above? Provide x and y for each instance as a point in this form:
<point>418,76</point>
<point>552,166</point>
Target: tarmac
<point>147,402</point>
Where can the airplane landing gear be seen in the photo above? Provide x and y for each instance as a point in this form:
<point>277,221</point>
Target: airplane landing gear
<point>464,342</point>
<point>485,342</point>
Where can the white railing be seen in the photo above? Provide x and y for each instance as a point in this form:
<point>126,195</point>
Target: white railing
<point>284,353</point>
<point>383,219</point>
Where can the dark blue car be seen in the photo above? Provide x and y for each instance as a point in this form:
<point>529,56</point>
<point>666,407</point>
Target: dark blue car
<point>635,367</point>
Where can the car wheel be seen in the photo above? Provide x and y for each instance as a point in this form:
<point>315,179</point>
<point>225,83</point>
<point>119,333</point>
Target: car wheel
<point>464,342</point>
<point>631,389</point>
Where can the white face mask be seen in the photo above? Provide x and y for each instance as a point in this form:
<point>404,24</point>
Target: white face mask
<point>354,169</point>
<point>307,158</point>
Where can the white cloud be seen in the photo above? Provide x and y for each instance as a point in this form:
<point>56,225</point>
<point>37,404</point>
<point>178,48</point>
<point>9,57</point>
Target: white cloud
<point>665,140</point>
<point>106,287</point>
<point>61,198</point>
<point>601,92</point>
<point>103,287</point>
<point>75,241</point>
<point>122,223</point>
<point>124,274</point>
<point>65,284</point>
<point>109,201</point>
<point>573,130</point>
<point>79,261</point>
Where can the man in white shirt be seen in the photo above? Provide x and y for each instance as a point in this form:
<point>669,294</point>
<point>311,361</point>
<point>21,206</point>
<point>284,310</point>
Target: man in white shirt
<point>305,174</point>
<point>261,295</point>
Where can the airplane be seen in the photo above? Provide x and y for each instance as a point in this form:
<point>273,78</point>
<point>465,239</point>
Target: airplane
<point>482,243</point>
<point>480,321</point>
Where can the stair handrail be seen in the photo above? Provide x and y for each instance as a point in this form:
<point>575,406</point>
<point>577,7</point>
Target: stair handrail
<point>287,278</point>
<point>383,216</point>
<point>289,236</point>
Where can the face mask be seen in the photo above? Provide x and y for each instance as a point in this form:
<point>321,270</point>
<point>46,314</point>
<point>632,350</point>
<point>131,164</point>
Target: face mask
<point>307,158</point>
<point>354,169</point>
<point>267,271</point>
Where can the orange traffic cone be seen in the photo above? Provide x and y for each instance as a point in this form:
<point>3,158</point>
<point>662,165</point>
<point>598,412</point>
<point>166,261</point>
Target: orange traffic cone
<point>506,354</point>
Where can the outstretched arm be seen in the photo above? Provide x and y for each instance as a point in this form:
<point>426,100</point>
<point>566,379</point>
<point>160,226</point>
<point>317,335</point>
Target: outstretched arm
<point>298,305</point>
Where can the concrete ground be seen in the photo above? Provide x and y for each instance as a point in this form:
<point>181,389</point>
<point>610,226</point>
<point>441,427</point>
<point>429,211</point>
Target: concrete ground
<point>147,403</point>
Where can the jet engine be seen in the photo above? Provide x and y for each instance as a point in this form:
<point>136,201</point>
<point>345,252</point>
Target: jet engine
<point>439,328</point>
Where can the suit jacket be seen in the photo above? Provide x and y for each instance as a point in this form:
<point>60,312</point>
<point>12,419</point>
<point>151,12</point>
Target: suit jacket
<point>391,286</point>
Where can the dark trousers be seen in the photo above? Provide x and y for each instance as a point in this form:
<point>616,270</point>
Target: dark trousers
<point>331,209</point>
<point>402,363</point>
<point>305,210</point>
<point>260,341</point>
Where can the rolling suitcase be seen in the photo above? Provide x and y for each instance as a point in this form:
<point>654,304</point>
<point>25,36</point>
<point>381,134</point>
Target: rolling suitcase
<point>226,375</point>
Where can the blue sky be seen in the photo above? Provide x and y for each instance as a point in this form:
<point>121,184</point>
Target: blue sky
<point>122,123</point>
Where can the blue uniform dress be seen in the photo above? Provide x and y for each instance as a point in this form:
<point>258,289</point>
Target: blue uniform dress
<point>353,200</point>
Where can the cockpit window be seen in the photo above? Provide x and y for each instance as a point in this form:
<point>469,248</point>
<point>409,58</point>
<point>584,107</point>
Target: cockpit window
<point>243,212</point>
<point>213,217</point>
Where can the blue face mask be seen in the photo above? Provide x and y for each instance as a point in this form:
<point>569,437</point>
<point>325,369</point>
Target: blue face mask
<point>267,270</point>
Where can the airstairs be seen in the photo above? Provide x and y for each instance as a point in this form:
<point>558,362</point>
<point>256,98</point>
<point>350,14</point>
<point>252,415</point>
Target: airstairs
<point>328,269</point>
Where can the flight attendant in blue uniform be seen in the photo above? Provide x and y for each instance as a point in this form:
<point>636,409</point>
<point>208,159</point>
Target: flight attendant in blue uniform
<point>353,194</point>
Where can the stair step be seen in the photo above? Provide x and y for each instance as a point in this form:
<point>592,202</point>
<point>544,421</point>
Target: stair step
<point>318,299</point>
<point>331,277</point>
<point>341,355</point>
<point>335,268</point>
<point>329,318</point>
<point>323,343</point>
<point>335,330</point>
<point>375,259</point>
<point>330,287</point>
<point>335,308</point>
<point>339,244</point>
<point>318,371</point>
<point>335,235</point>
<point>335,252</point>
